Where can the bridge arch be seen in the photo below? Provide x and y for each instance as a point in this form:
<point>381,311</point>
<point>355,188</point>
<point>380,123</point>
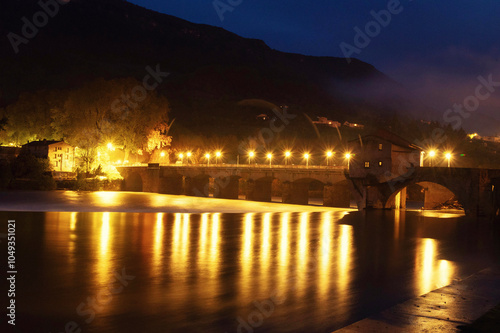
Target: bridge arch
<point>436,192</point>
<point>133,182</point>
<point>198,186</point>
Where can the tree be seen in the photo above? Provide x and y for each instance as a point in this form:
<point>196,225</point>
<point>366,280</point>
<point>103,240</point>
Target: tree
<point>158,139</point>
<point>29,118</point>
<point>102,111</point>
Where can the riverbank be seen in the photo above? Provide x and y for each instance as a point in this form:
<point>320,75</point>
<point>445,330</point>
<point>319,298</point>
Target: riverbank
<point>448,309</point>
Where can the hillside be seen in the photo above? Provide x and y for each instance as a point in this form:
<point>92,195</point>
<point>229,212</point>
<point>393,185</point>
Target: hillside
<point>211,69</point>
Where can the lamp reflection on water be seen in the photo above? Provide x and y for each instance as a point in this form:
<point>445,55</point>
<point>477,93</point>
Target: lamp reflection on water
<point>185,239</point>
<point>158,245</point>
<point>302,255</point>
<point>103,267</point>
<point>203,241</point>
<point>284,249</point>
<point>246,258</point>
<point>344,264</point>
<point>214,246</point>
<point>431,273</point>
<point>325,256</point>
<point>265,258</point>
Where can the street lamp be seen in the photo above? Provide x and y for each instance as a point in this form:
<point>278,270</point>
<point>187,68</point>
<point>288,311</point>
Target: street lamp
<point>270,157</point>
<point>188,156</point>
<point>306,156</point>
<point>217,155</point>
<point>207,156</point>
<point>181,155</point>
<point>287,156</point>
<point>432,153</point>
<point>348,158</point>
<point>329,154</point>
<point>448,157</point>
<point>251,155</point>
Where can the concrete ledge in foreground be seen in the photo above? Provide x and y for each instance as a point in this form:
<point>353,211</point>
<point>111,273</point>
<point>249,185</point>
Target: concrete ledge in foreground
<point>441,310</point>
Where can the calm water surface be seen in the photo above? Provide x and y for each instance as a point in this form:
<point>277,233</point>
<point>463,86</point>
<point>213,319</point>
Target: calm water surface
<point>233,272</point>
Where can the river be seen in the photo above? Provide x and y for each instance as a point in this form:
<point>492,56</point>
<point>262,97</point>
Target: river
<point>138,262</point>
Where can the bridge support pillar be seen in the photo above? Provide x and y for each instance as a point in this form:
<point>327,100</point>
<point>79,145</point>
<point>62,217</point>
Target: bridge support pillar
<point>259,190</point>
<point>227,187</point>
<point>172,184</point>
<point>337,195</point>
<point>295,193</point>
<point>197,186</point>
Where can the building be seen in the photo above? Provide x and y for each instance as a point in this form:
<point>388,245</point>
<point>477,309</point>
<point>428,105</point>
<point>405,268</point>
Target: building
<point>382,156</point>
<point>61,155</point>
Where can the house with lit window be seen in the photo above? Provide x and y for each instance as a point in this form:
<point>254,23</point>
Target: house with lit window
<point>382,156</point>
<point>61,155</point>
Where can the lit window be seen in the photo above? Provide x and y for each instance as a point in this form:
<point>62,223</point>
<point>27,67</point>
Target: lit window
<point>380,163</point>
<point>367,164</point>
<point>380,146</point>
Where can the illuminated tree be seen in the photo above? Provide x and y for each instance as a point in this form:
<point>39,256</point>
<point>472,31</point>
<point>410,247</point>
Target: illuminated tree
<point>157,140</point>
<point>106,111</point>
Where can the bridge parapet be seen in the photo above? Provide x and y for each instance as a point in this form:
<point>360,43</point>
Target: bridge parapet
<point>258,179</point>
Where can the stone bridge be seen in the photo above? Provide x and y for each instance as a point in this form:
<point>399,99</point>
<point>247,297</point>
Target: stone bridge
<point>477,190</point>
<point>254,182</point>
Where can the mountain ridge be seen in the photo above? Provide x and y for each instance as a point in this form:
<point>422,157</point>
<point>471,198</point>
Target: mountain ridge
<point>211,68</point>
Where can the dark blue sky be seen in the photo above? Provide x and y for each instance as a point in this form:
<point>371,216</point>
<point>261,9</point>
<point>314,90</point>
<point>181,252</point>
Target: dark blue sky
<point>437,49</point>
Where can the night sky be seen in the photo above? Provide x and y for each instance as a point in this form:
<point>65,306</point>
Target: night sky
<point>437,49</point>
